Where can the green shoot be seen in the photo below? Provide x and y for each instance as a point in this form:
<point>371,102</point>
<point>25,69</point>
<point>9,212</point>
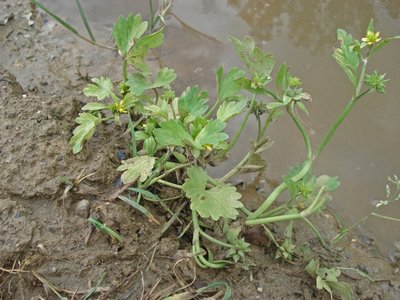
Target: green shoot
<point>104,228</point>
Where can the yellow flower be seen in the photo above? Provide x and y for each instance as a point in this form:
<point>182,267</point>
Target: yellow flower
<point>371,38</point>
<point>208,146</point>
<point>120,107</point>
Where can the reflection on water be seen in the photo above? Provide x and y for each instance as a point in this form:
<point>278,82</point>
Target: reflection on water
<point>363,152</point>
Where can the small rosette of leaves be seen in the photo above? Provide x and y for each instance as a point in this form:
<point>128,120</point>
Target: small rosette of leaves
<point>221,201</point>
<point>376,82</point>
<point>240,246</point>
<point>328,279</point>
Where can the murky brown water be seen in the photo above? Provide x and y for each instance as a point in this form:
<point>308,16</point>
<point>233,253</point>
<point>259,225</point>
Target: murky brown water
<point>363,152</point>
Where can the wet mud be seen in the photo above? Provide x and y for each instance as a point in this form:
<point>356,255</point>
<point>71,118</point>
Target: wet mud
<point>46,241</point>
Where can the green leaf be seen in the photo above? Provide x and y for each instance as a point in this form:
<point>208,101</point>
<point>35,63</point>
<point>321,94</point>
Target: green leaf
<point>273,105</point>
<point>229,110</point>
<point>211,134</point>
<point>348,72</point>
<point>192,102</point>
<point>280,78</point>
<point>384,43</point>
<point>227,87</point>
<point>172,133</point>
<point>84,131</point>
<point>150,146</point>
<point>104,88</point>
<point>255,61</point>
<point>343,289</point>
<point>140,135</point>
<point>247,84</point>
<point>62,22</point>
<point>371,25</point>
<point>126,31</point>
<point>291,185</point>
<point>164,77</point>
<point>330,183</point>
<point>220,201</point>
<point>139,167</point>
<point>347,57</point>
<point>95,106</point>
<point>312,268</point>
<point>139,208</point>
<point>302,107</point>
<point>104,228</point>
<point>137,83</point>
<point>138,53</point>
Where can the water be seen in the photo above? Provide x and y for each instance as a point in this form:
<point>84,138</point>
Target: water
<point>364,150</point>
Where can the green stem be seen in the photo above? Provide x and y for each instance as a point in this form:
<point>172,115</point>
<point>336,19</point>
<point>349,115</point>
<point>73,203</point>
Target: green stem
<point>279,189</point>
<point>167,183</point>
<point>385,217</point>
<point>132,129</point>
<point>213,181</point>
<point>217,104</point>
<point>168,172</point>
<point>214,240</point>
<point>334,127</point>
<point>344,232</point>
<point>232,143</point>
<point>268,122</point>
<point>302,130</point>
<point>361,78</point>
<point>245,211</point>
<point>235,170</point>
<point>316,231</point>
<point>124,70</point>
<point>173,110</point>
<point>200,259</point>
<point>273,219</point>
<point>259,136</point>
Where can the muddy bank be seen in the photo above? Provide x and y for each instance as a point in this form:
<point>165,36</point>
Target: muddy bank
<point>46,240</point>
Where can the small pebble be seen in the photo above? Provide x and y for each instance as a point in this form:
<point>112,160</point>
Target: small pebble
<point>259,290</point>
<point>83,208</point>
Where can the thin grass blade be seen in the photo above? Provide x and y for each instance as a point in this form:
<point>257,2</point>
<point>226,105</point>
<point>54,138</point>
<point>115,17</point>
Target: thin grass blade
<point>85,22</point>
<point>95,288</point>
<point>140,208</point>
<point>58,19</point>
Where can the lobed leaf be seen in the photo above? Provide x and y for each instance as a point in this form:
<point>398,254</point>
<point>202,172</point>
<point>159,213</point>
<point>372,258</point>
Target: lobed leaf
<point>126,31</point>
<point>247,84</point>
<point>211,134</point>
<point>103,89</point>
<point>227,87</point>
<point>384,43</point>
<point>139,167</point>
<point>172,133</point>
<point>137,83</point>
<point>221,201</point>
<point>164,77</point>
<point>255,61</point>
<point>84,131</point>
<point>229,110</point>
<point>95,106</point>
<point>139,51</point>
<point>192,102</point>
